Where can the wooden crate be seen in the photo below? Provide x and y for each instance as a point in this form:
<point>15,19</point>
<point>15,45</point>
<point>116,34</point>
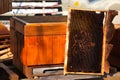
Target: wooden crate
<point>38,41</point>
<point>88,41</point>
<point>5,6</point>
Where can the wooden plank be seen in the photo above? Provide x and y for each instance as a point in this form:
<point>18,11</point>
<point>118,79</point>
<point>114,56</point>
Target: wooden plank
<point>10,5</point>
<point>6,41</point>
<point>4,51</point>
<point>16,52</point>
<point>4,36</point>
<point>12,23</point>
<point>12,75</point>
<point>58,49</point>
<point>45,29</point>
<point>46,50</point>
<point>13,43</point>
<point>19,27</point>
<point>31,50</point>
<point>1,6</point>
<point>108,36</point>
<point>20,47</point>
<point>40,19</point>
<point>42,50</point>
<point>36,7</point>
<point>4,46</point>
<point>46,24</point>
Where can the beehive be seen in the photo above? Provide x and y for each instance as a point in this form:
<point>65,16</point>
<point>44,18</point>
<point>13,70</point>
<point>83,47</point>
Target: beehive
<point>37,41</point>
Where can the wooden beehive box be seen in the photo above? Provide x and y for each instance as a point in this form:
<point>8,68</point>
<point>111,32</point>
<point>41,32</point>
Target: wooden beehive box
<point>37,41</point>
<point>89,33</point>
<point>5,6</point>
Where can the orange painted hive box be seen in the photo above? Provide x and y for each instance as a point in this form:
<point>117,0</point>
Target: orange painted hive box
<point>38,40</point>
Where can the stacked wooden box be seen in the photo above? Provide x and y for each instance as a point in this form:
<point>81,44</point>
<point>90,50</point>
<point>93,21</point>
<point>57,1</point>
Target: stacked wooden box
<point>5,6</point>
<point>37,41</point>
